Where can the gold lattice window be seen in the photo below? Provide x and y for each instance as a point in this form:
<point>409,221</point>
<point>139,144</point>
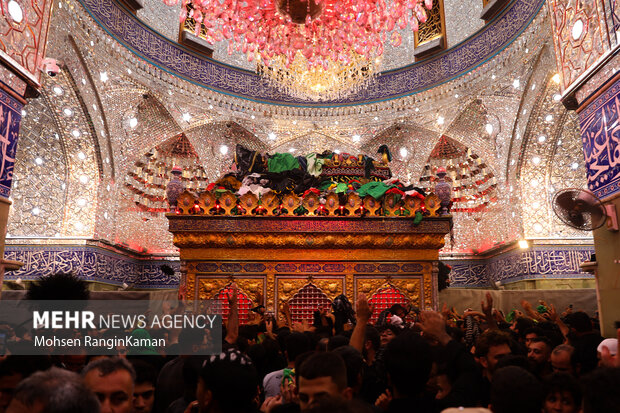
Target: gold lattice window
<point>306,301</point>
<point>196,38</point>
<point>434,28</point>
<point>189,25</point>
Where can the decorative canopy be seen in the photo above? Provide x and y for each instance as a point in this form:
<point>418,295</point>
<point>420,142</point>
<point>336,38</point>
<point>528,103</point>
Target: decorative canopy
<point>473,183</point>
<point>152,173</point>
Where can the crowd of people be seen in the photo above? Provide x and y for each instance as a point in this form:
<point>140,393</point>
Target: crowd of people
<point>534,360</point>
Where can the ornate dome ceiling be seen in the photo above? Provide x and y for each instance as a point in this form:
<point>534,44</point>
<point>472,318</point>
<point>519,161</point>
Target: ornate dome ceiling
<point>495,37</point>
<point>123,105</point>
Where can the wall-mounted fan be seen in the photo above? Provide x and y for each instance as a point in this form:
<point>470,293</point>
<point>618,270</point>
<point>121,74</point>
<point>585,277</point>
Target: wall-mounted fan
<point>581,209</point>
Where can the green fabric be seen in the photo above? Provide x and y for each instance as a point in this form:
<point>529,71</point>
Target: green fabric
<point>341,188</point>
<point>418,218</point>
<point>374,189</point>
<point>315,164</point>
<point>400,212</point>
<point>324,185</point>
<point>300,210</point>
<point>511,316</point>
<point>281,162</point>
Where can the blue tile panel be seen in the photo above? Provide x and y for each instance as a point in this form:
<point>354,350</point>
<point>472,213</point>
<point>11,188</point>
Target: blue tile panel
<point>600,136</point>
<point>91,264</point>
<point>538,263</point>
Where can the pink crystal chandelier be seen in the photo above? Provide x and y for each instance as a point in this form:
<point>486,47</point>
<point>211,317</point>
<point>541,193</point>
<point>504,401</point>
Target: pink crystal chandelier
<point>321,30</point>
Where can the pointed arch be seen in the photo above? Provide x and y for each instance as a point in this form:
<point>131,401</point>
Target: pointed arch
<point>410,136</point>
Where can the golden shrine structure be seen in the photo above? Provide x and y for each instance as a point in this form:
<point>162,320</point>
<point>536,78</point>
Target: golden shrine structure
<point>276,257</point>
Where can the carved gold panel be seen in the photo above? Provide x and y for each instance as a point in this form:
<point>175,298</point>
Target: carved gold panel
<point>413,204</point>
<point>209,286</point>
<point>291,202</point>
<point>391,204</point>
<point>350,287</point>
<point>428,292</point>
<point>410,286</point>
<point>418,287</point>
<point>311,202</point>
<point>190,286</point>
<point>206,201</point>
<point>331,287</point>
<point>272,260</point>
<point>369,286</point>
<point>432,203</point>
<point>328,241</point>
<point>287,287</point>
<point>249,201</point>
<point>372,205</point>
<point>270,293</point>
<point>291,254</point>
<point>354,202</point>
<point>274,290</point>
<point>228,201</point>
<point>332,203</point>
<point>206,204</point>
<point>185,202</point>
<point>270,201</point>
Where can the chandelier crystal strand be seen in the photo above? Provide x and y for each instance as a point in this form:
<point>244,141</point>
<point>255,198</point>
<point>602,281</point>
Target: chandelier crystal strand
<point>316,83</point>
<point>322,30</point>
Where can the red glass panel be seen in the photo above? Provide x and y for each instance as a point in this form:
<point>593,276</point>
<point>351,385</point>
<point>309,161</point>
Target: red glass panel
<point>384,298</point>
<point>243,302</point>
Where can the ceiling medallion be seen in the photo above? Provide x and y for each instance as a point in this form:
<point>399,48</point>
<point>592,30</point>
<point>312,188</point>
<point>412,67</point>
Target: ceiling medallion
<point>331,37</point>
